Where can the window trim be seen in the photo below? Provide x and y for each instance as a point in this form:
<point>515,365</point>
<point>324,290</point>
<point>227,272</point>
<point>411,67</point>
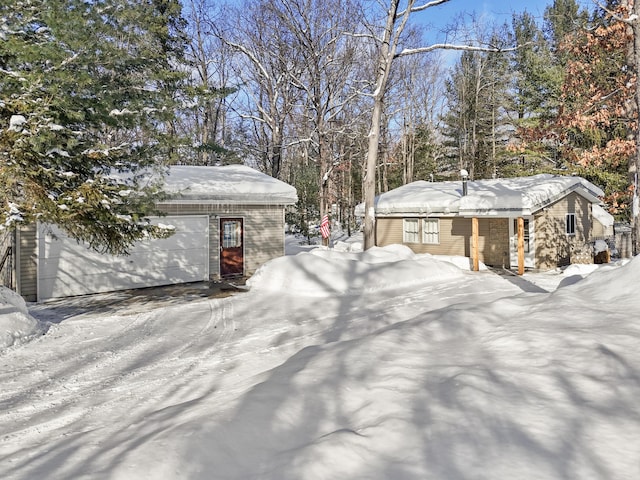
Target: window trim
<point>405,232</point>
<point>436,222</point>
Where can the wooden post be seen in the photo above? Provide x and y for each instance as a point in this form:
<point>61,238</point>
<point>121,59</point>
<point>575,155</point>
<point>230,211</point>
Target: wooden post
<point>475,254</point>
<point>520,246</point>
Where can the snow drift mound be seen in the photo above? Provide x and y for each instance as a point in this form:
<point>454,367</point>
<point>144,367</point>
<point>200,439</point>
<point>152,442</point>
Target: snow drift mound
<point>16,325</point>
<point>608,284</point>
<point>329,272</point>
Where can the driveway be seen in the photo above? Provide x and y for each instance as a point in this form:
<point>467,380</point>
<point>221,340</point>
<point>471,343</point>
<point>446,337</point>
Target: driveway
<point>128,302</point>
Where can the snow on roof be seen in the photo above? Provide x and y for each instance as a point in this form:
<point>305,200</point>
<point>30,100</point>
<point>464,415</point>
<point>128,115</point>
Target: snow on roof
<point>510,196</point>
<point>229,184</point>
<point>604,217</point>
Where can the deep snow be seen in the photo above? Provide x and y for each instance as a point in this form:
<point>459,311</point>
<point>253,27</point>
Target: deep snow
<point>338,364</point>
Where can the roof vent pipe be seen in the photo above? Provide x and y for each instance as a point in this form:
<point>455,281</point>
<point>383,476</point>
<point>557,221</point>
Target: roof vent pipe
<point>465,176</point>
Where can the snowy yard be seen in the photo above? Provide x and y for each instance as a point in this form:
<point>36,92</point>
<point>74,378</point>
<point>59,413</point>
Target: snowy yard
<point>376,365</point>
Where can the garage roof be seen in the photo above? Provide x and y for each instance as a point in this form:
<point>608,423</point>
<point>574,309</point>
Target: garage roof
<point>229,184</point>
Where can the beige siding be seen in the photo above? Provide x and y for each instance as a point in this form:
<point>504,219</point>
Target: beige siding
<point>496,247</point>
<point>263,231</point>
<point>553,247</point>
<point>27,266</point>
<point>455,237</point>
<point>598,230</point>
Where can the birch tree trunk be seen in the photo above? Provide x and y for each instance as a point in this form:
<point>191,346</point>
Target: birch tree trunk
<point>385,60</point>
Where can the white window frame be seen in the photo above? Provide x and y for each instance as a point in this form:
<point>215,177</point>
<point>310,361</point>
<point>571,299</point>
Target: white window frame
<point>431,236</point>
<point>570,224</point>
<point>410,235</point>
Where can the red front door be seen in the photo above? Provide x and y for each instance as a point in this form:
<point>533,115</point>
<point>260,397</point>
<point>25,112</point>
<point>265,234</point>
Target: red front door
<point>231,247</point>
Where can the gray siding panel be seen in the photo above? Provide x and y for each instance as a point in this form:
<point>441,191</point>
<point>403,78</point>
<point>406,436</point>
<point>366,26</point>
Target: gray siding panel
<point>27,267</point>
<point>263,231</point>
<point>263,236</point>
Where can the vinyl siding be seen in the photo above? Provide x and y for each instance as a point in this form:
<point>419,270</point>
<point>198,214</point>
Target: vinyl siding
<point>553,247</point>
<point>455,237</point>
<point>263,239</point>
<point>27,266</point>
<point>263,231</point>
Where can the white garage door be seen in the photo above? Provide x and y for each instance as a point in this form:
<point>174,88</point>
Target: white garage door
<point>66,268</point>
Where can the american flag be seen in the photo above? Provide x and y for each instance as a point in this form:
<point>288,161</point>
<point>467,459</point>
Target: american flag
<point>324,227</point>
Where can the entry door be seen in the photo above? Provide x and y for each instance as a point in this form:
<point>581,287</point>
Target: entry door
<point>231,247</point>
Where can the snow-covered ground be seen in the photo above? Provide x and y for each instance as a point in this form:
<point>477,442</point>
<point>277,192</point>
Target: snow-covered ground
<point>336,364</point>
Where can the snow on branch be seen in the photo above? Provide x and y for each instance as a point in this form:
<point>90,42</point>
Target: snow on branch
<point>450,46</point>
<point>10,73</point>
<point>630,20</point>
<point>420,8</point>
<point>64,63</point>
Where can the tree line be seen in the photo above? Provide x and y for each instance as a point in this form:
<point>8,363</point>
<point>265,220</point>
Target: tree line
<point>289,87</point>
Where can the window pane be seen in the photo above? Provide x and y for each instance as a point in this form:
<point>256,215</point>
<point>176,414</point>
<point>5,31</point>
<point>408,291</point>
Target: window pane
<point>231,234</point>
<point>431,230</point>
<point>410,233</point>
<point>571,224</point>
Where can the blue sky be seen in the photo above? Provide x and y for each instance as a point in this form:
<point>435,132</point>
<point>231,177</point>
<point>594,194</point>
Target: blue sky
<point>497,11</point>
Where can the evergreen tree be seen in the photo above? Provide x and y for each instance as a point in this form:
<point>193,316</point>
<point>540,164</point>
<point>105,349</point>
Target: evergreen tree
<point>88,93</point>
<point>540,65</point>
<point>561,20</point>
<point>476,110</point>
<point>538,76</point>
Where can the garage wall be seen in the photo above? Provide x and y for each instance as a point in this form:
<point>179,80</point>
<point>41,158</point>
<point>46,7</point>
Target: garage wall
<point>263,231</point>
<point>264,239</point>
<point>553,246</point>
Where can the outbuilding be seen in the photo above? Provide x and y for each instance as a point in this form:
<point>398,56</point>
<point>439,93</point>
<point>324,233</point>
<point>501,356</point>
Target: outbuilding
<point>538,222</point>
<point>228,221</point>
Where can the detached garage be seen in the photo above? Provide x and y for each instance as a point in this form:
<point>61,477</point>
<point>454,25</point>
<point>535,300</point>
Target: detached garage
<point>228,221</point>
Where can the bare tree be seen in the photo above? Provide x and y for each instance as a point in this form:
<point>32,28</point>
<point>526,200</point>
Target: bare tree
<point>420,99</point>
<point>209,63</point>
<point>265,73</point>
<point>388,41</point>
<point>327,75</point>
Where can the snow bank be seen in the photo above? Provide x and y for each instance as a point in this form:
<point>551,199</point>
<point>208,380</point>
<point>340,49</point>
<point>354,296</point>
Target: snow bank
<point>524,387</point>
<point>16,325</point>
<point>606,284</point>
<point>329,272</point>
<point>463,377</point>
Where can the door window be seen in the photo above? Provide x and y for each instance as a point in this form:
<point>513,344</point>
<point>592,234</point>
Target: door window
<point>231,237</point>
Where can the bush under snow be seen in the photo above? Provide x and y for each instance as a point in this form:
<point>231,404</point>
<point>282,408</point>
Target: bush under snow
<point>16,325</point>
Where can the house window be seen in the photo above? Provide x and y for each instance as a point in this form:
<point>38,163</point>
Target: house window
<point>410,229</point>
<point>431,230</point>
<point>571,224</point>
